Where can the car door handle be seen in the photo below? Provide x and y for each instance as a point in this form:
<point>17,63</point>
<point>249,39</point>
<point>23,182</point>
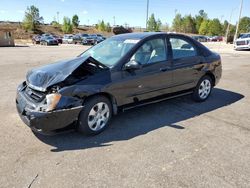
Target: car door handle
<point>164,69</point>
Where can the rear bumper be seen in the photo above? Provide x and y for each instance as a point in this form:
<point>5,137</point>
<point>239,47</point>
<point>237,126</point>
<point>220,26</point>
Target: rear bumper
<point>43,122</point>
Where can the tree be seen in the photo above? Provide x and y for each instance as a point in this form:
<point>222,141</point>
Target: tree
<point>102,26</point>
<point>158,25</point>
<point>153,25</point>
<point>108,27</point>
<point>188,24</point>
<point>200,18</point>
<point>55,23</point>
<point>121,30</point>
<point>204,27</point>
<point>32,18</point>
<point>165,27</point>
<point>244,25</point>
<point>215,27</point>
<point>177,23</point>
<point>225,26</point>
<point>67,25</point>
<point>75,21</point>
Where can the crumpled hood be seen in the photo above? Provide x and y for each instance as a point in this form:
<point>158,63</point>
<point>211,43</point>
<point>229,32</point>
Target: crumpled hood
<point>43,77</point>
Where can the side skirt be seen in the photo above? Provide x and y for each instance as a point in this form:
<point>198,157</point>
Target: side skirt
<point>155,100</point>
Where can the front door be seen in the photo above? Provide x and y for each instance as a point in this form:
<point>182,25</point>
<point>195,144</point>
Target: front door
<point>153,79</point>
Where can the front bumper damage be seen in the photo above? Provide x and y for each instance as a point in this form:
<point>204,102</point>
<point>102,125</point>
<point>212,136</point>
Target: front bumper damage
<point>45,122</point>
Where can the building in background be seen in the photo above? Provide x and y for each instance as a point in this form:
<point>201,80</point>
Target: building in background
<point>6,37</point>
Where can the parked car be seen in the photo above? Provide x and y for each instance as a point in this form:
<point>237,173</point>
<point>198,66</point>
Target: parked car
<point>200,38</point>
<point>216,39</point>
<point>67,39</point>
<point>100,38</point>
<point>84,36</point>
<point>58,38</point>
<point>93,39</point>
<point>47,35</point>
<point>36,39</point>
<point>122,72</point>
<point>90,40</point>
<point>243,42</point>
<point>48,41</point>
<point>77,39</point>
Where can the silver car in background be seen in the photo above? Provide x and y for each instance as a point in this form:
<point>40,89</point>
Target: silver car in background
<point>243,42</point>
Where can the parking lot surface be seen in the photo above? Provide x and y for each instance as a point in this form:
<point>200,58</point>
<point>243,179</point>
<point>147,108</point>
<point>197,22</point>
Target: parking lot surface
<point>174,143</point>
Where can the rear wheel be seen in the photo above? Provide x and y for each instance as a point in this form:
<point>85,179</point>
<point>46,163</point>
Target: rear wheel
<point>95,116</point>
<point>203,89</point>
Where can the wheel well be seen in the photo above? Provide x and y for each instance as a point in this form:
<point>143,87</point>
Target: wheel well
<point>211,76</point>
<point>111,99</point>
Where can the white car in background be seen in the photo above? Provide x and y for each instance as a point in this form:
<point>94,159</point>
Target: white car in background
<point>67,39</point>
<point>243,42</point>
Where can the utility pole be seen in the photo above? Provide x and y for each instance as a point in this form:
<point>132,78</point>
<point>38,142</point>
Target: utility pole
<point>57,13</point>
<point>229,24</point>
<point>147,14</point>
<point>114,20</point>
<point>237,27</point>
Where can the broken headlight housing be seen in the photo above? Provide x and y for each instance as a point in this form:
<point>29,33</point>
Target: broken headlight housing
<point>51,101</point>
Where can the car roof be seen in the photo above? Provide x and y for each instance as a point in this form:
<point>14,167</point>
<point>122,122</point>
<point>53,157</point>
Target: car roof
<point>144,35</point>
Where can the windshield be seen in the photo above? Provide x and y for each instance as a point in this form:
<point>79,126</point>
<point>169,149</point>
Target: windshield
<point>243,36</point>
<point>110,51</point>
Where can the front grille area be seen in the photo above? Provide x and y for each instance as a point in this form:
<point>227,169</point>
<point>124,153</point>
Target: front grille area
<point>37,96</point>
<point>239,43</point>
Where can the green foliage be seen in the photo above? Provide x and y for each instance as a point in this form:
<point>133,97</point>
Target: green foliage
<point>103,27</point>
<point>67,25</point>
<point>204,27</point>
<point>244,26</point>
<point>199,19</point>
<point>108,27</point>
<point>32,18</point>
<point>225,26</point>
<point>152,24</point>
<point>55,24</point>
<point>215,27</point>
<point>188,24</point>
<point>177,23</point>
<point>201,24</point>
<point>75,21</point>
<point>166,27</point>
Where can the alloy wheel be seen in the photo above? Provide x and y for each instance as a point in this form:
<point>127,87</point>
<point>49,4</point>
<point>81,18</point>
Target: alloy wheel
<point>204,89</point>
<point>98,116</point>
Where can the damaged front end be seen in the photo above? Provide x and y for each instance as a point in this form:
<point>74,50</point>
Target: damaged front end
<point>46,112</point>
<point>41,100</point>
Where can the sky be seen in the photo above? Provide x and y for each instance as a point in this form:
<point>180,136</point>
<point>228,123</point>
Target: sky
<point>131,12</point>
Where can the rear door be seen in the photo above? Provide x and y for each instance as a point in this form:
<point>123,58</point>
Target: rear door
<point>187,63</point>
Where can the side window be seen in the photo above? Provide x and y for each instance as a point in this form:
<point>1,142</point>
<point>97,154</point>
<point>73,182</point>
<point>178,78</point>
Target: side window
<point>152,51</point>
<point>182,48</point>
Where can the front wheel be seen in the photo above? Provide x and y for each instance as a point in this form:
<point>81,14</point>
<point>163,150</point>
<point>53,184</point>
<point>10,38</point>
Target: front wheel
<point>203,89</point>
<point>95,116</point>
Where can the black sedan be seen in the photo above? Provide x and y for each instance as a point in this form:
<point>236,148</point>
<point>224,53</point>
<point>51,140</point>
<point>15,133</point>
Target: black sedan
<point>122,72</point>
<point>48,40</point>
<point>36,39</point>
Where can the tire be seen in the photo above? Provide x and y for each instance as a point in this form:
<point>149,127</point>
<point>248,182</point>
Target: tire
<point>203,89</point>
<point>95,116</point>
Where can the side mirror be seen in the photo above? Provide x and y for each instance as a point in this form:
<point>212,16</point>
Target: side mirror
<point>132,65</point>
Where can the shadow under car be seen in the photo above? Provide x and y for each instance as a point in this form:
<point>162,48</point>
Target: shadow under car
<point>141,120</point>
